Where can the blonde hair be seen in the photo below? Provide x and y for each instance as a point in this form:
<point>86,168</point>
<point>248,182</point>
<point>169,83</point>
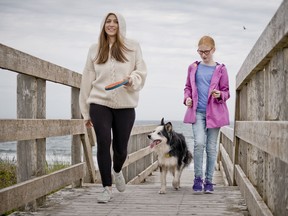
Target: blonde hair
<point>207,40</point>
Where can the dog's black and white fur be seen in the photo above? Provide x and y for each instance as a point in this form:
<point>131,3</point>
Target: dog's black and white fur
<point>172,151</point>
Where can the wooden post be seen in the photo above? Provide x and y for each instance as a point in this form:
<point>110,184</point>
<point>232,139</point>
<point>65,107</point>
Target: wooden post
<point>235,139</point>
<point>90,167</point>
<point>31,154</point>
<point>41,143</point>
<point>76,141</point>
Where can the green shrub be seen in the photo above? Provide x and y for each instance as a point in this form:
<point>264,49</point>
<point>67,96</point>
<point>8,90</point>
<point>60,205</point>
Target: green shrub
<point>8,175</point>
<point>8,168</point>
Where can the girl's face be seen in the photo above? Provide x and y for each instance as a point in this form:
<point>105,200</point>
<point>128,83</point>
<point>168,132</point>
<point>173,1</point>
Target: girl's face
<point>206,53</point>
<point>111,25</point>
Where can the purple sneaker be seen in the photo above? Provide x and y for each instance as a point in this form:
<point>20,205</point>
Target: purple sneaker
<point>208,187</point>
<point>198,182</point>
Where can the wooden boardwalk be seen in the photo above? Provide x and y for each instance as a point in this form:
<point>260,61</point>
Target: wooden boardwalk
<point>143,199</point>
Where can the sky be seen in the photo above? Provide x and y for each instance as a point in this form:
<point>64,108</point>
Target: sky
<point>61,32</point>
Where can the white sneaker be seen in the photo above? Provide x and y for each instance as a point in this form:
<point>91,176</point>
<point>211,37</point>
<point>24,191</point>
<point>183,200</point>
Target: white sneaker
<point>105,196</point>
<point>119,181</point>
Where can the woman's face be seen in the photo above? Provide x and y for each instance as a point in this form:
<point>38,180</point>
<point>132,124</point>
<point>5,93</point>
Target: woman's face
<point>111,25</point>
<point>206,53</point>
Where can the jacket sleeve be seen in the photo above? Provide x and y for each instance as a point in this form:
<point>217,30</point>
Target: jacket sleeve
<point>139,74</point>
<point>224,85</point>
<point>188,88</point>
<point>88,77</point>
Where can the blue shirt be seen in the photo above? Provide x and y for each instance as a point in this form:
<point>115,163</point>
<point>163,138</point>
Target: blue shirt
<point>203,79</point>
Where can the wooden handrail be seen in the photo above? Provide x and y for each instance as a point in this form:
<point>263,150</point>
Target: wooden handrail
<point>22,193</point>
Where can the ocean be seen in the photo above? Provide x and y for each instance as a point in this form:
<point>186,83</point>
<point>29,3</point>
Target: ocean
<point>58,149</point>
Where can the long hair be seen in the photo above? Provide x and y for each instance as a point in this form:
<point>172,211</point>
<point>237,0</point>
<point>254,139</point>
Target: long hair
<point>118,48</point>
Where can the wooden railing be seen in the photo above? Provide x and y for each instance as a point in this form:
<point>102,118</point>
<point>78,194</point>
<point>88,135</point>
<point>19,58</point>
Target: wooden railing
<point>31,128</point>
<point>254,155</point>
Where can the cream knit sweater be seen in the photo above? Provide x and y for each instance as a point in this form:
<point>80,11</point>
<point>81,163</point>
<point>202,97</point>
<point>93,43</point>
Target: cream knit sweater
<point>96,76</point>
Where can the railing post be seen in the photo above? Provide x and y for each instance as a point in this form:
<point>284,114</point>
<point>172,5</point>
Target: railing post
<point>76,141</point>
<point>41,143</point>
<point>235,158</point>
<point>31,154</point>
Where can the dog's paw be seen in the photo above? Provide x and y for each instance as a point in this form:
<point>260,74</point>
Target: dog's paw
<point>162,191</point>
<point>176,185</point>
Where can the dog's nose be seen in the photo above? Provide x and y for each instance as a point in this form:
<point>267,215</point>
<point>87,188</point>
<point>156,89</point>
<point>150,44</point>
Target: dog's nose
<point>149,136</point>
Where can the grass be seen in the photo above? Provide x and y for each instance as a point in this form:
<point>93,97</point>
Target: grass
<point>56,165</point>
<point>8,169</point>
<point>7,172</point>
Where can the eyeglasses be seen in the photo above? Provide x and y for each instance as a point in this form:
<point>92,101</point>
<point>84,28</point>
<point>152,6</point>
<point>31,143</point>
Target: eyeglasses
<point>206,52</point>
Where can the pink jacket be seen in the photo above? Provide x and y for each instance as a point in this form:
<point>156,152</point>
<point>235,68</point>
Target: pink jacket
<point>217,114</point>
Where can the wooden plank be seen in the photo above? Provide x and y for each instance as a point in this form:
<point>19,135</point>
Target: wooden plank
<point>254,201</point>
<point>275,89</point>
<point>26,108</point>
<point>267,44</point>
<point>222,170</point>
<point>140,129</point>
<point>22,193</point>
<point>143,200</point>
<point>237,117</point>
<point>228,132</point>
<point>41,143</point>
<point>76,149</point>
<point>141,176</point>
<point>20,62</point>
<point>91,136</point>
<point>131,158</point>
<point>227,164</point>
<point>88,157</point>
<point>268,136</point>
<point>26,129</point>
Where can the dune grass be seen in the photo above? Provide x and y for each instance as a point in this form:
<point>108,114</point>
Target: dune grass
<point>8,170</point>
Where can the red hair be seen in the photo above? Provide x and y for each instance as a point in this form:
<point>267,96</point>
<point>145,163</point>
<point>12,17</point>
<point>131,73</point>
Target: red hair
<point>207,40</point>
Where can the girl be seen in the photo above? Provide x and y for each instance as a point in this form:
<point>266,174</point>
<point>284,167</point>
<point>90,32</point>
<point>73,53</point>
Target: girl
<point>205,94</point>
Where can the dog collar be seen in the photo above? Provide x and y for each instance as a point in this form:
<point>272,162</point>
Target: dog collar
<point>167,155</point>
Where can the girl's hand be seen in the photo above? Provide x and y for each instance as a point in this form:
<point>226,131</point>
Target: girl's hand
<point>216,93</point>
<point>88,123</point>
<point>189,102</point>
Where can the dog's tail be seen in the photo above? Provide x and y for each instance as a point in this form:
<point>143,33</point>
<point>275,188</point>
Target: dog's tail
<point>188,158</point>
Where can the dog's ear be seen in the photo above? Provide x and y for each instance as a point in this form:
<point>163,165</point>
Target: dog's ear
<point>162,121</point>
<point>168,127</point>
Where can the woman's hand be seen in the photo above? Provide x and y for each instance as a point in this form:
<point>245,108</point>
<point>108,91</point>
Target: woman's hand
<point>88,123</point>
<point>216,93</point>
<point>129,83</point>
<point>189,102</point>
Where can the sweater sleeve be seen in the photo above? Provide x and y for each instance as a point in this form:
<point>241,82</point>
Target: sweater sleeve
<point>88,77</point>
<point>139,74</point>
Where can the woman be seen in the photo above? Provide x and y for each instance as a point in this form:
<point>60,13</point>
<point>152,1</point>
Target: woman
<point>205,95</point>
<point>114,58</point>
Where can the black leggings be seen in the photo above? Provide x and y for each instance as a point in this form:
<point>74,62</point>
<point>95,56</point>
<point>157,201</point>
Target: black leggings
<point>121,122</point>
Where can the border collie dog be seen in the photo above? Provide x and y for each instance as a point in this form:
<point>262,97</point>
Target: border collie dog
<point>172,151</point>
